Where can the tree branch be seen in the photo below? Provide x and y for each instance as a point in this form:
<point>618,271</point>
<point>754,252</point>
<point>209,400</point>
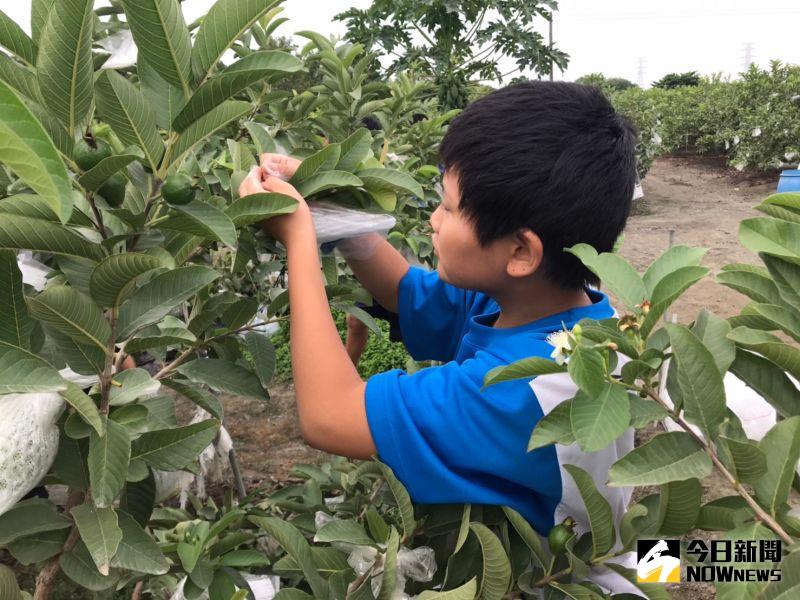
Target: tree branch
<point>760,512</point>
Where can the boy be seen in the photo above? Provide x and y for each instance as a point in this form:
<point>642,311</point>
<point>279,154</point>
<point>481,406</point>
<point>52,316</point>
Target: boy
<point>529,170</point>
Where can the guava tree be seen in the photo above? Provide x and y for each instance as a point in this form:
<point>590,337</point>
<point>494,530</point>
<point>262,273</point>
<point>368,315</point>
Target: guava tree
<point>126,186</point>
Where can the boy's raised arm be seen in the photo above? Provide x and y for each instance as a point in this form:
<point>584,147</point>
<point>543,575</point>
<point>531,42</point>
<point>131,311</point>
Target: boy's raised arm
<point>379,269</point>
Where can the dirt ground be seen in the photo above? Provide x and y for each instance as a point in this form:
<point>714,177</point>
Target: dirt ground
<point>700,199</point>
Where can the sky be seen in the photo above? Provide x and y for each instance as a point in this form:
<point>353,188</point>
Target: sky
<point>640,40</point>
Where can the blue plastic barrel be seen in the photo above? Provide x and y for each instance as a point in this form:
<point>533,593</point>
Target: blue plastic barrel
<point>789,181</point>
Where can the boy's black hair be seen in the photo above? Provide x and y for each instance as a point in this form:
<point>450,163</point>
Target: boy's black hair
<point>553,157</point>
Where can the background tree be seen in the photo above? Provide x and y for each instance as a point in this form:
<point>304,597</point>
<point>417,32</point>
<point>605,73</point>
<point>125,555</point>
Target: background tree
<point>612,84</point>
<point>675,80</point>
<point>452,41</point>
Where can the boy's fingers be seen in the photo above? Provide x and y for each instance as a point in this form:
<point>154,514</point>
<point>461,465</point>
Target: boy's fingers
<point>279,186</point>
<point>279,165</point>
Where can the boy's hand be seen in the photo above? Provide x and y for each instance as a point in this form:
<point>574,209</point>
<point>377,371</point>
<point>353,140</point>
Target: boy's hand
<point>279,165</point>
<point>281,227</point>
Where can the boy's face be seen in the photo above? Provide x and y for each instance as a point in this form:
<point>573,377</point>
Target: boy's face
<point>462,261</point>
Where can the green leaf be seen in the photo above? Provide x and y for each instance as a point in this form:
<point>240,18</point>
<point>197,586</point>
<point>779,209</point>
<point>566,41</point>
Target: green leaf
<point>598,421</point>
<point>108,462</point>
<point>496,566</point>
<point>14,39</point>
<point>391,181</point>
<point>672,260</point>
<point>21,79</point>
<point>327,180</point>
<point>240,313</point>
<point>753,285</point>
<point>601,519</point>
<point>325,560</point>
<point>781,446</point>
<point>532,539</point>
<point>291,540</point>
<point>354,150</point>
<point>319,162</point>
<point>721,514</point>
<point>209,123</point>
<point>749,462</point>
<point>162,38</point>
<point>398,490</point>
<point>769,381</point>
<point>261,138</point>
<point>389,578</point>
<point>97,176</point>
<point>84,406</point>
<point>73,314</point>
<point>61,139</point>
<point>644,411</point>
<point>667,291</point>
<point>782,317</point>
<point>224,23</point>
<point>771,236</point>
<point>468,591</point>
<point>40,9</point>
<point>702,393</point>
<point>204,220</point>
<point>224,376</point>
<point>166,100</point>
<point>174,449</point>
<point>114,276</point>
<point>232,80</point>
<point>769,346</point>
<point>100,532</point>
<point>789,585</point>
<point>38,547</point>
<point>28,151</point>
<point>615,273</point>
<point>138,551</point>
<point>129,114</point>
<point>713,332</point>
<point>151,302</point>
<point>342,530</point>
<point>527,368</point>
<point>386,199</point>
<point>77,564</point>
<point>263,353</point>
<point>672,456</point>
<point>682,506</point>
<point>786,277</point>
<point>64,64</point>
<point>553,428</point>
<point>587,367</point>
<point>22,372</point>
<point>201,397</point>
<point>86,359</point>
<point>30,517</point>
<point>257,207</point>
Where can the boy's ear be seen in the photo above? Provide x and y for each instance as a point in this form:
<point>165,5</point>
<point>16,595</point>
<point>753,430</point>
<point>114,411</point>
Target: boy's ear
<point>527,254</point>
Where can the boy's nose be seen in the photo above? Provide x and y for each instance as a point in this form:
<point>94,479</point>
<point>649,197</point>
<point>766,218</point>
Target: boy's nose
<point>434,220</point>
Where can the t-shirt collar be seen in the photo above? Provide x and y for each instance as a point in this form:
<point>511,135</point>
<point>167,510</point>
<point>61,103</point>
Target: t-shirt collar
<point>481,331</point>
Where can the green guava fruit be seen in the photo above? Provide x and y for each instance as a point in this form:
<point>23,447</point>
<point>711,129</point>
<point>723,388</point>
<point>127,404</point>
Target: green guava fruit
<point>178,189</point>
<point>86,156</point>
<point>113,190</point>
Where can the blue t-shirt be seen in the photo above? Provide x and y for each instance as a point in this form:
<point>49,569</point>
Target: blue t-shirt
<point>445,439</point>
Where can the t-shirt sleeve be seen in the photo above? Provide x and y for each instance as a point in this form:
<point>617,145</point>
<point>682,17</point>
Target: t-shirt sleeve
<point>448,441</point>
<point>432,315</point>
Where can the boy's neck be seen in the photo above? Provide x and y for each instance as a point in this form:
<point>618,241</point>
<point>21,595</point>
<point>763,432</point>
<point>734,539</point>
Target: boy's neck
<point>524,304</point>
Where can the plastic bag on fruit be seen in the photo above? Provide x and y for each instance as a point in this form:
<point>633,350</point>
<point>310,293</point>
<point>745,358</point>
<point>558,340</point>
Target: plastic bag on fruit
<point>122,49</point>
<point>418,564</point>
